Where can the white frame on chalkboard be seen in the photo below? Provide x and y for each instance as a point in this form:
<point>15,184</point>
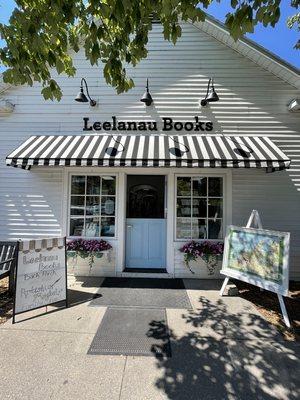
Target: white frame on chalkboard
<point>44,305</point>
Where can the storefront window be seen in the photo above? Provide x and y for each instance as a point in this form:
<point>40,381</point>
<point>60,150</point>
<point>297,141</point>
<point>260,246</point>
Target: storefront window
<point>93,206</point>
<point>199,208</point>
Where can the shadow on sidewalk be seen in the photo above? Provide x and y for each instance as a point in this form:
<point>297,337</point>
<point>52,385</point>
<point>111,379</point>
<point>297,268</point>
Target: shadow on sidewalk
<point>248,362</point>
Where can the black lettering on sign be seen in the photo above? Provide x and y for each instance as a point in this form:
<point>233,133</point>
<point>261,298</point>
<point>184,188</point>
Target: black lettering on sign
<point>168,125</point>
<point>85,124</point>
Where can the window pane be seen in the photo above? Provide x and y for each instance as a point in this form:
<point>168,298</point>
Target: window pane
<point>183,207</point>
<point>215,229</point>
<point>108,205</point>
<point>77,205</point>
<point>200,187</point>
<point>215,187</point>
<point>76,227</point>
<point>108,185</point>
<point>93,185</point>
<point>78,185</point>
<point>199,229</point>
<point>92,196</point>
<point>183,186</point>
<point>215,208</point>
<point>92,227</point>
<point>92,205</point>
<point>199,208</point>
<point>107,226</point>
<point>183,228</point>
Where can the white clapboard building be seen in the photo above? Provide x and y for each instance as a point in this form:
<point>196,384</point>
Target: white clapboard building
<point>150,178</point>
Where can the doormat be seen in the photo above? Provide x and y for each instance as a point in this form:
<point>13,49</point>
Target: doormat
<point>140,283</point>
<point>144,293</point>
<point>132,332</point>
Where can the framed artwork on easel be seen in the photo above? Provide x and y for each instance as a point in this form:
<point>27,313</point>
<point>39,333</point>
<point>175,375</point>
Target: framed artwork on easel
<point>258,256</point>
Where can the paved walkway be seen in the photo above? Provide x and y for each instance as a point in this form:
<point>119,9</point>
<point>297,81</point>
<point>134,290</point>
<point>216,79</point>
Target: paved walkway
<point>222,349</point>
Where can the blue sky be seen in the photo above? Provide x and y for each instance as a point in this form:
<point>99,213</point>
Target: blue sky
<point>280,40</point>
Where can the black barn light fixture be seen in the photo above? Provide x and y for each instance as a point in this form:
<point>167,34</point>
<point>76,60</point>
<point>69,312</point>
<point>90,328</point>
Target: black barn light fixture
<point>113,151</point>
<point>81,97</point>
<point>147,98</point>
<point>211,94</point>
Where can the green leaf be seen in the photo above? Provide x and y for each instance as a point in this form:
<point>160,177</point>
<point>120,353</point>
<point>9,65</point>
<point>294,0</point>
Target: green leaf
<point>41,33</point>
<point>47,93</point>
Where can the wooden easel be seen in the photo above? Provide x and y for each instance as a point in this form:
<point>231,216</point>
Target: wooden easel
<point>254,221</point>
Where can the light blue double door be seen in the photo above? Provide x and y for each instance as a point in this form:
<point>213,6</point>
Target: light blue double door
<point>145,223</point>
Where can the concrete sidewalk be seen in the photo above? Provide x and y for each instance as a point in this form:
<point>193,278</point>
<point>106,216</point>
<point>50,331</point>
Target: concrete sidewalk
<point>222,349</point>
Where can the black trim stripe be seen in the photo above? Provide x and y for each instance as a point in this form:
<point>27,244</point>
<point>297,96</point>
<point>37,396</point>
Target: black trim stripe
<point>193,151</point>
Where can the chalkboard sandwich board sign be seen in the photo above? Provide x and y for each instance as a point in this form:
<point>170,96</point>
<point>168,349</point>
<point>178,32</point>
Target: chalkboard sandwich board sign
<point>41,274</point>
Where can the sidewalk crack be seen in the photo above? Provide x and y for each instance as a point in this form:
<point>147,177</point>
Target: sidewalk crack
<point>123,373</point>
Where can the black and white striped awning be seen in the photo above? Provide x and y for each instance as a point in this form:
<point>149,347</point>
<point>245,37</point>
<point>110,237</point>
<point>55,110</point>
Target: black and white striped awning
<point>149,151</point>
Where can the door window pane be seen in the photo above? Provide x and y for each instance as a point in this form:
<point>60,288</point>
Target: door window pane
<point>215,229</point>
<point>199,229</point>
<point>183,228</point>
<point>92,227</point>
<point>108,227</point>
<point>145,196</point>
<point>215,208</point>
<point>93,185</point>
<point>215,187</point>
<point>107,205</point>
<point>77,205</point>
<point>78,185</point>
<point>183,186</point>
<point>76,227</point>
<point>199,208</point>
<point>92,205</point>
<point>184,207</point>
<point>200,187</point>
<point>108,185</point>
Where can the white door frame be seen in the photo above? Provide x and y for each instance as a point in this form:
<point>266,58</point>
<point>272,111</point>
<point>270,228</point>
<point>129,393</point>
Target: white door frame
<point>121,174</point>
<point>154,171</point>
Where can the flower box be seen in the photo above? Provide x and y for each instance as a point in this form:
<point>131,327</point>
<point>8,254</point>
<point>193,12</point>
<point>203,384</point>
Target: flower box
<point>203,259</point>
<point>88,257</point>
<point>80,266</point>
<point>199,268</point>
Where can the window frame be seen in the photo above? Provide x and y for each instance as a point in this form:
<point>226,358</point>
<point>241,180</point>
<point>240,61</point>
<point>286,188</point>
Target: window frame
<point>224,205</point>
<point>85,195</point>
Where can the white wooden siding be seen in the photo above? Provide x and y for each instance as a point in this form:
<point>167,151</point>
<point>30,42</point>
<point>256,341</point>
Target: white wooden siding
<point>276,197</point>
<point>252,102</point>
<point>31,203</point>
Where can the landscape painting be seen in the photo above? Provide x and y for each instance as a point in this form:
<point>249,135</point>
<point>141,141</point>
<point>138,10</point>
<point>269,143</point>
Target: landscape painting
<point>257,256</point>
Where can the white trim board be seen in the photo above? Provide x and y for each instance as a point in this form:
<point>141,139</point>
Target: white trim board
<point>251,50</point>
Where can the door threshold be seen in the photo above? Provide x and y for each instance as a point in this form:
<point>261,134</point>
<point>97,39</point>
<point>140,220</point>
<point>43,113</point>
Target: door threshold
<point>147,275</point>
<point>146,270</point>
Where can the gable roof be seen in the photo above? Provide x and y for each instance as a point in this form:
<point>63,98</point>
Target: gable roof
<point>250,49</point>
<point>246,47</point>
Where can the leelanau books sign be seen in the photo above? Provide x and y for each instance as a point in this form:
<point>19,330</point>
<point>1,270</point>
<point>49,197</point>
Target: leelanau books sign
<point>167,124</point>
<point>41,274</point>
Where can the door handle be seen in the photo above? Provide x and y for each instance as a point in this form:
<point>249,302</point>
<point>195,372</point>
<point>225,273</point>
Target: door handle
<point>129,226</point>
